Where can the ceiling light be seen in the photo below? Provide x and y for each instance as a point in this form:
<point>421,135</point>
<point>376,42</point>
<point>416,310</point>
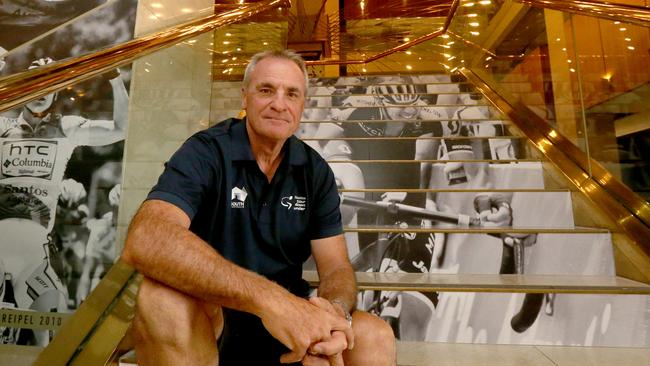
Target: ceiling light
<point>186,10</point>
<point>622,29</point>
<point>628,39</point>
<point>485,2</point>
<point>630,48</point>
<point>617,22</point>
<point>191,41</point>
<point>406,39</point>
<point>265,43</point>
<point>156,5</point>
<point>569,61</point>
<point>572,69</point>
<point>473,15</point>
<point>445,36</point>
<point>468,4</point>
<point>226,42</point>
<point>238,49</point>
<point>408,52</point>
<point>474,24</point>
<point>450,43</point>
<point>409,67</point>
<point>364,69</point>
<point>228,34</point>
<point>474,33</point>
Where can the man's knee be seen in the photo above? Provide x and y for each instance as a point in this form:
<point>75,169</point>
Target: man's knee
<point>164,315</point>
<point>372,331</point>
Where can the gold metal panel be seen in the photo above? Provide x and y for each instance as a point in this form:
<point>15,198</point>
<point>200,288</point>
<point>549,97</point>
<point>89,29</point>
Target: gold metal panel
<point>624,13</point>
<point>70,339</point>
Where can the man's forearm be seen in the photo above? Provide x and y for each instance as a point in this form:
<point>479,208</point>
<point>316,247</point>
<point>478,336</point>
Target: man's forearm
<point>339,285</point>
<point>169,253</point>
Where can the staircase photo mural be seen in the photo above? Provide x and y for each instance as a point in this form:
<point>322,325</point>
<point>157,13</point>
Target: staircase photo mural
<point>60,165</point>
<point>434,179</point>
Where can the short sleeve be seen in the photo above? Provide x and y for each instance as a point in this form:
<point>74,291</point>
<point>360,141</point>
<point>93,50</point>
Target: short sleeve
<point>189,175</point>
<point>326,219</point>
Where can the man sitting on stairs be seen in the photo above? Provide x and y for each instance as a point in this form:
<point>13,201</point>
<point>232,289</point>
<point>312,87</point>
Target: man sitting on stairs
<point>222,237</point>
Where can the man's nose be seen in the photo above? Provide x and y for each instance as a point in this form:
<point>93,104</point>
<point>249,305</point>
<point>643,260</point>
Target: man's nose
<point>279,102</point>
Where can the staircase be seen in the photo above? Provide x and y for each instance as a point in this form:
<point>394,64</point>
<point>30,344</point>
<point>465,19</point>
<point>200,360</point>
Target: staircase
<point>415,157</point>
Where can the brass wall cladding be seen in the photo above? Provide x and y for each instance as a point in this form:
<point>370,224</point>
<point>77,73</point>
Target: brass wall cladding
<point>621,12</point>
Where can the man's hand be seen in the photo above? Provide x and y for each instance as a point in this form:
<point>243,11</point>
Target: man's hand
<point>329,352</point>
<point>299,324</point>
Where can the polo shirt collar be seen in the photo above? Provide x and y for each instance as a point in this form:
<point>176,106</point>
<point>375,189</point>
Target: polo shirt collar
<point>241,146</point>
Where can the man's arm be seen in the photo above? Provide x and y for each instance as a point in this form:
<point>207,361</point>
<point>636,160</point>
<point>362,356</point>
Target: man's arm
<point>337,282</point>
<point>160,246</point>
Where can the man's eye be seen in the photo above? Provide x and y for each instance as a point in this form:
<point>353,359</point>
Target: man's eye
<point>265,91</point>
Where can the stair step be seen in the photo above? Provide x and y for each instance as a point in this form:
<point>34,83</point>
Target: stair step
<point>432,161</point>
<point>528,283</point>
<point>450,354</point>
<point>412,138</point>
<point>454,228</point>
<point>442,120</point>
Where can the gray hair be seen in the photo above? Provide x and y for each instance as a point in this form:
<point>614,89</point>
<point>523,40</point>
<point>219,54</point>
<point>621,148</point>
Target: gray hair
<point>283,54</point>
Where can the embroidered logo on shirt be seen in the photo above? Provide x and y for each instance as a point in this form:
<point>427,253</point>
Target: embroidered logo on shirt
<point>237,197</point>
<point>297,203</point>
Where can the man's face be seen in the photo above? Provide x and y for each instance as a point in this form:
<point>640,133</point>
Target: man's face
<point>41,104</point>
<point>274,99</point>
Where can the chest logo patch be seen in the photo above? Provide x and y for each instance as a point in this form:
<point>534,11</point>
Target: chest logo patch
<point>238,197</point>
<point>296,203</point>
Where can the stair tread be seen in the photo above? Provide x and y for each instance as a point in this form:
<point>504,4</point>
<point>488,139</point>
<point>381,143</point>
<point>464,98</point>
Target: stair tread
<point>433,161</point>
<point>449,354</point>
<point>453,228</point>
<point>489,120</point>
<point>465,282</point>
<point>407,138</point>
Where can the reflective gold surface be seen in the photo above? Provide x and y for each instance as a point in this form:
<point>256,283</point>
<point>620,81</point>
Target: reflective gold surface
<point>621,12</point>
<point>111,300</point>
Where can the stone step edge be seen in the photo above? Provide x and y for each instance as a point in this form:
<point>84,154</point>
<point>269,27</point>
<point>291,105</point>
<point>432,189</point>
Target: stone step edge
<point>433,354</point>
<point>498,283</point>
<point>410,353</point>
<point>457,229</point>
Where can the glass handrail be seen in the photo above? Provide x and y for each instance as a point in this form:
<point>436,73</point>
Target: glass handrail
<point>21,87</point>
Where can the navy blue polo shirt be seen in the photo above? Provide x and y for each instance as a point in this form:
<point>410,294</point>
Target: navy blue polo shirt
<point>264,227</point>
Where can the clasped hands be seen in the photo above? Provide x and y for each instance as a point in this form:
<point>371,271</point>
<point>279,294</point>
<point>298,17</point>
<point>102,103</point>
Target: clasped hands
<point>329,352</point>
<point>316,331</point>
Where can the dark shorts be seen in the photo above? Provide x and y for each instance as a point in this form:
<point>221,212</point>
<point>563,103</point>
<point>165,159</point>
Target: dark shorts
<point>245,341</point>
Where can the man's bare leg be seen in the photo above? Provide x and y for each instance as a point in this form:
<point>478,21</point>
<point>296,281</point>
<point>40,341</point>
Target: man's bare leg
<point>172,328</point>
<point>374,342</point>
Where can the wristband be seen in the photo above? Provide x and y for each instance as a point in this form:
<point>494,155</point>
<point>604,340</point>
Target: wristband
<point>344,307</point>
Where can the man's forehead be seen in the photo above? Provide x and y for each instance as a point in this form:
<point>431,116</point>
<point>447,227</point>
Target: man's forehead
<point>278,72</point>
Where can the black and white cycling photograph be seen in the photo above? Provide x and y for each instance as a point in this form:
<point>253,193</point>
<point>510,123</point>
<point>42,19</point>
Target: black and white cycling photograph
<point>60,175</point>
